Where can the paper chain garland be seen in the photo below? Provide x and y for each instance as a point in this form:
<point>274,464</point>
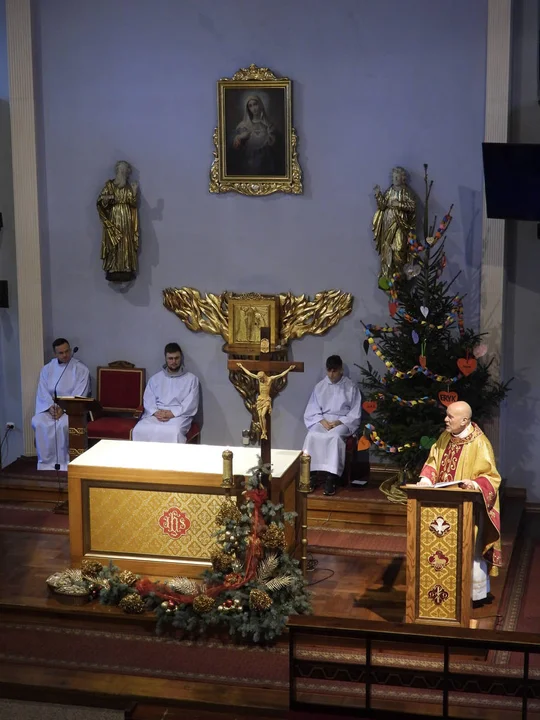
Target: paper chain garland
<point>443,227</point>
<point>409,373</point>
<point>426,400</point>
<point>382,445</point>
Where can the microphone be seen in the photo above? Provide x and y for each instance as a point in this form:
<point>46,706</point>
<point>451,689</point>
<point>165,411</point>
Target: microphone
<point>75,349</point>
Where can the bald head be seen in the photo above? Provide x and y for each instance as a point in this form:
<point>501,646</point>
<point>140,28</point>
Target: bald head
<point>458,417</point>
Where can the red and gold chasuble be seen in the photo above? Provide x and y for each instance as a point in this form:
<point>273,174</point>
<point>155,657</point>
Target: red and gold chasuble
<point>471,458</point>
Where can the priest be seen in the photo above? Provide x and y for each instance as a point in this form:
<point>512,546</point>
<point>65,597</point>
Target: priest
<point>332,414</point>
<point>171,401</point>
<point>464,453</point>
<point>64,375</point>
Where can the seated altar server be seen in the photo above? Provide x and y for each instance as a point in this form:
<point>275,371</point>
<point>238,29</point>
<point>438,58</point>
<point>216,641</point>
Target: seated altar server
<point>63,375</point>
<point>332,414</point>
<point>464,453</point>
<point>171,401</point>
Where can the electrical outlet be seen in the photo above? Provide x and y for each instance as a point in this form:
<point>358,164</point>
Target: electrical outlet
<point>10,426</point>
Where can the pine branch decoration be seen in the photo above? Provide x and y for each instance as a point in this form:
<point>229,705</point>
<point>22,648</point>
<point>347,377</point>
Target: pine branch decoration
<point>279,582</point>
<point>267,567</point>
<point>183,586</point>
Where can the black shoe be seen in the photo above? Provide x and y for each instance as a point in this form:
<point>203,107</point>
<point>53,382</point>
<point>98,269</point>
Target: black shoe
<point>330,485</point>
<point>483,601</point>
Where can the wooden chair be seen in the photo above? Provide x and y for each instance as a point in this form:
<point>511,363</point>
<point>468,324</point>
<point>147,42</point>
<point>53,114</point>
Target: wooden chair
<point>120,388</point>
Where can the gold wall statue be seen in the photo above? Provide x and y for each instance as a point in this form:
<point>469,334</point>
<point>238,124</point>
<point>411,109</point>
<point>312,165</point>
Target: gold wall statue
<point>393,223</point>
<point>290,317</point>
<point>117,210</point>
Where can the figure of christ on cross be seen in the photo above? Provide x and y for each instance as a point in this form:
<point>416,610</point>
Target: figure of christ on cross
<point>264,399</point>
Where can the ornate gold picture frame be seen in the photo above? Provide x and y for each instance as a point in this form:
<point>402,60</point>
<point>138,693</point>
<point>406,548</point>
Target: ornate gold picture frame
<point>255,144</point>
<point>247,315</point>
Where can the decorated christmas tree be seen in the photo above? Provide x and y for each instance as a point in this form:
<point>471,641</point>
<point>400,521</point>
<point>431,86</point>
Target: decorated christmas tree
<point>430,359</point>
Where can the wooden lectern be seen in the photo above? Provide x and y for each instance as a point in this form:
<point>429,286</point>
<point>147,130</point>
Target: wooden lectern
<point>440,552</point>
<point>77,409</point>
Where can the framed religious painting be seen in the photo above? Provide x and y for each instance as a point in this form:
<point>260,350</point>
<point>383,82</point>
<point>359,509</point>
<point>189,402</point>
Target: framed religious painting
<point>255,144</point>
<point>247,315</point>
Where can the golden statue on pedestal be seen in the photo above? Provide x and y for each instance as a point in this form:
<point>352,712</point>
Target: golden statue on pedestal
<point>393,223</point>
<point>117,209</point>
<point>264,400</point>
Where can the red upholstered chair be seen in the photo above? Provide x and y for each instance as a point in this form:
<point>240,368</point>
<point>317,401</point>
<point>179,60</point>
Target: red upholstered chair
<point>120,388</point>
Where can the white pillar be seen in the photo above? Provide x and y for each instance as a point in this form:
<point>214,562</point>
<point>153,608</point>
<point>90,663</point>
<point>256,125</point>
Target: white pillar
<point>25,193</point>
<point>493,278</point>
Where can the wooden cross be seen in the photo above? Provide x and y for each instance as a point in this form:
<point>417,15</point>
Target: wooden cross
<point>271,369</point>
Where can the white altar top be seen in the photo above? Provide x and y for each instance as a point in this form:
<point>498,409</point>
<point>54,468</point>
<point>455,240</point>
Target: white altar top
<point>173,457</point>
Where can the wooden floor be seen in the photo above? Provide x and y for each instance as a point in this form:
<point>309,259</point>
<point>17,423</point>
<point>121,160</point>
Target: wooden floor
<point>354,585</point>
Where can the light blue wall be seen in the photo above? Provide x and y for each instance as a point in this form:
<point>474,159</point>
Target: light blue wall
<point>375,84</point>
<point>10,376</point>
<point>522,322</point>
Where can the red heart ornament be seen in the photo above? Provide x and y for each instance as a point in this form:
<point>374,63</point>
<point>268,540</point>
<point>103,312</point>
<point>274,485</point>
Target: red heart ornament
<point>363,443</point>
<point>369,406</point>
<point>422,360</point>
<point>467,365</point>
<point>447,398</point>
<point>392,308</point>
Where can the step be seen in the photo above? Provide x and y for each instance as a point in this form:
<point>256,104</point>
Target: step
<point>355,509</point>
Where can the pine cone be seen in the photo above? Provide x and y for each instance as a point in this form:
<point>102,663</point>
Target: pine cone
<point>228,511</point>
<point>127,577</point>
<point>203,604</point>
<point>259,600</point>
<point>132,604</point>
<point>221,561</point>
<point>91,567</point>
<point>273,537</point>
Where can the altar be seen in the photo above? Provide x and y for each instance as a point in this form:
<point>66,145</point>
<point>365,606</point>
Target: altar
<point>150,507</point>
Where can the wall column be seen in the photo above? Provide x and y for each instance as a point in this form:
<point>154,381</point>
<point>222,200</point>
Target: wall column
<point>25,193</point>
<point>493,277</point>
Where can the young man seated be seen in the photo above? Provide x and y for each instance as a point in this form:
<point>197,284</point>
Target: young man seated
<point>64,375</point>
<point>332,414</point>
<point>171,401</point>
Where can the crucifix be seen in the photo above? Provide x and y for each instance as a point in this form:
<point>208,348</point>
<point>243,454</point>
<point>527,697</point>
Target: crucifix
<point>265,371</point>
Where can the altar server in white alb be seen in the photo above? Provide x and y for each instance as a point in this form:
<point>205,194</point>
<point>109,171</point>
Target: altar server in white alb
<point>64,375</point>
<point>171,401</point>
<point>332,414</point>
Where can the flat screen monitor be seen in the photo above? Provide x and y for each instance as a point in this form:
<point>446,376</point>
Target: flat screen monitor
<point>512,180</point>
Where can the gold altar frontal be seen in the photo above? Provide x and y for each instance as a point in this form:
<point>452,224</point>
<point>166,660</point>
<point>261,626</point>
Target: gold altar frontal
<point>151,507</point>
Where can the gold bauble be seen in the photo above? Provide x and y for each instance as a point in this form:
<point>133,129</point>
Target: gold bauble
<point>203,604</point>
<point>127,577</point>
<point>91,567</point>
<point>273,537</point>
<point>132,603</point>
<point>259,600</point>
<point>221,561</point>
<point>228,512</point>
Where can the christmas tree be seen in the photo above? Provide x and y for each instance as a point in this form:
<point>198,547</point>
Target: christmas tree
<point>430,358</point>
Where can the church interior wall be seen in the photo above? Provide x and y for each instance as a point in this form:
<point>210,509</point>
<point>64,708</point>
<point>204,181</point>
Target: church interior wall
<point>522,316</point>
<point>374,85</point>
<point>10,376</point>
